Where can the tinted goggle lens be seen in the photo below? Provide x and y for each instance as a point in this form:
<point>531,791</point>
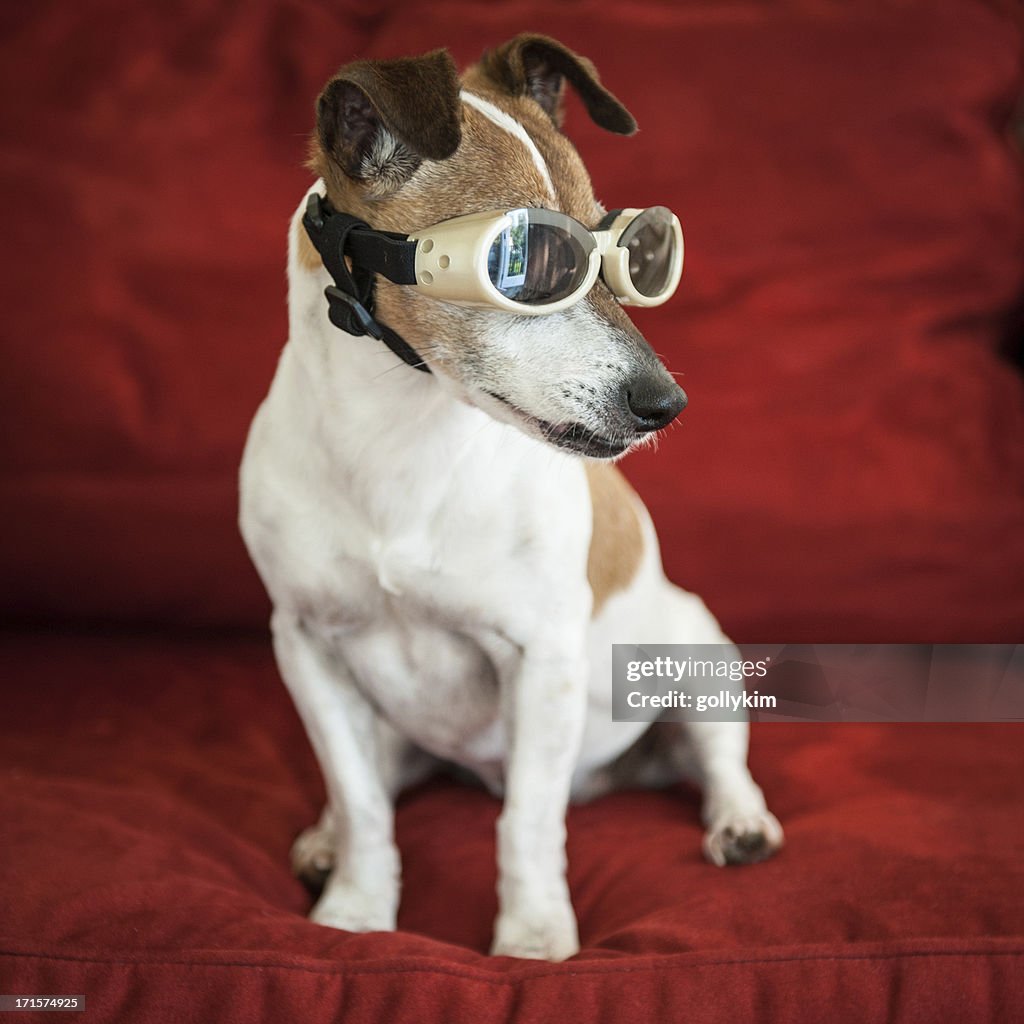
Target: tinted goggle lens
<point>542,257</point>
<point>651,240</point>
<point>539,259</point>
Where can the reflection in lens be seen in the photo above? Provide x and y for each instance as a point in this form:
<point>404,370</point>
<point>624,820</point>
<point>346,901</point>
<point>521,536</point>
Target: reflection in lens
<point>542,257</point>
<point>651,242</point>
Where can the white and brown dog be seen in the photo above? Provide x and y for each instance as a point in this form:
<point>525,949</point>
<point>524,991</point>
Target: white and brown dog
<point>451,555</point>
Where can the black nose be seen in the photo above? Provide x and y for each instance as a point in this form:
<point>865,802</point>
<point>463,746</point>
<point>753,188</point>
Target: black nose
<point>653,402</point>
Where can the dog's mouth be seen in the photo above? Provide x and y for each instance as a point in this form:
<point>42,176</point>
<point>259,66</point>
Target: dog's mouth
<point>573,437</point>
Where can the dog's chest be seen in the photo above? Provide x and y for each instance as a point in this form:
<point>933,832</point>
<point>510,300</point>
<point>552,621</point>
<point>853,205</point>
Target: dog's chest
<point>409,613</point>
<point>422,562</point>
<point>435,684</point>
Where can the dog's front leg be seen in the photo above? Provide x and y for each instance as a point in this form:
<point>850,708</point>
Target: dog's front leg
<point>361,893</point>
<point>740,828</point>
<point>544,704</point>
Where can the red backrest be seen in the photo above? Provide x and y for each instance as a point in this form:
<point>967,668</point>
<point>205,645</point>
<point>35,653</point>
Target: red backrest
<point>850,465</point>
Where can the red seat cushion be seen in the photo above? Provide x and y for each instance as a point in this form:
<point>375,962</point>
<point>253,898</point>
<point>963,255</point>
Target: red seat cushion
<point>150,790</point>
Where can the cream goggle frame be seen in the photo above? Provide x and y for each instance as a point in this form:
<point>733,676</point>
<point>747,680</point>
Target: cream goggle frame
<point>529,261</point>
<point>533,261</point>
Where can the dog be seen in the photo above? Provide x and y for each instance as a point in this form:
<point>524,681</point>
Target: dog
<point>451,554</point>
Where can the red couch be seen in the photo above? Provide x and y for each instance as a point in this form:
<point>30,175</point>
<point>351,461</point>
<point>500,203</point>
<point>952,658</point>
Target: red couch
<point>851,468</point>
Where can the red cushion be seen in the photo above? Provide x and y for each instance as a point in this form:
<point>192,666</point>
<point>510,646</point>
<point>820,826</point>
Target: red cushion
<point>850,464</point>
<point>150,790</point>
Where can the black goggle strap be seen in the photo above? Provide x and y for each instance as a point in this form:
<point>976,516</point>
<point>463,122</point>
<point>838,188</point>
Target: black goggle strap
<point>350,299</point>
<point>606,222</point>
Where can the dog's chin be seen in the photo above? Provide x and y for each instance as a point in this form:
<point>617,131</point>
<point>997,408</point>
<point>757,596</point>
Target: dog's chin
<point>576,438</point>
<point>580,440</point>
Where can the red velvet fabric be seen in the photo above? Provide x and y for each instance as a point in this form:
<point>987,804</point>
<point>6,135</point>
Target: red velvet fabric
<point>850,468</point>
<point>151,789</point>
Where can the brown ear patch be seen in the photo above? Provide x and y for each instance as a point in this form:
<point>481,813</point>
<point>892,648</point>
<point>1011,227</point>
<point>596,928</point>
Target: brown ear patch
<point>381,118</point>
<point>617,542</point>
<point>538,66</point>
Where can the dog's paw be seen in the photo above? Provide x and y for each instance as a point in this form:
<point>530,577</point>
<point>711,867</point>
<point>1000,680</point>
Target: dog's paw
<point>538,937</point>
<point>743,838</point>
<point>313,856</point>
<point>352,910</point>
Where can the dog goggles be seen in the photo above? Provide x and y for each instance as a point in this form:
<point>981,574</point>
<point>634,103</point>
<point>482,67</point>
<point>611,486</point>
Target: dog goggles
<point>533,261</point>
<point>528,261</point>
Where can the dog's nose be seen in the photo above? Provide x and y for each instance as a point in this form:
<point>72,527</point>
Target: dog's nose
<point>653,402</point>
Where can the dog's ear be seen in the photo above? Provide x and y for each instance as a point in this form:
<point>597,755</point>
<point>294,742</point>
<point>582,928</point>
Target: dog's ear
<point>538,67</point>
<point>377,120</point>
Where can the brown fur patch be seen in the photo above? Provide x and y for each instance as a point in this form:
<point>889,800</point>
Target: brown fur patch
<point>616,543</point>
<point>575,194</point>
<point>308,256</point>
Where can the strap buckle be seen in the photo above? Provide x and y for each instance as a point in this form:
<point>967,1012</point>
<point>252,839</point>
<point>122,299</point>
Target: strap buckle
<point>315,211</point>
<point>345,311</point>
<point>350,299</point>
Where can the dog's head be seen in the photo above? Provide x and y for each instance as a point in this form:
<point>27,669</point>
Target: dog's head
<point>404,145</point>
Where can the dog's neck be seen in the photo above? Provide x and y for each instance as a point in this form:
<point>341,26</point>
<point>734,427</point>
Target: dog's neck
<point>387,428</point>
<point>357,383</point>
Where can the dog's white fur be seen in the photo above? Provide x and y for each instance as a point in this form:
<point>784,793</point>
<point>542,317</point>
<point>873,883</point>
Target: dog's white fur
<point>428,568</point>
